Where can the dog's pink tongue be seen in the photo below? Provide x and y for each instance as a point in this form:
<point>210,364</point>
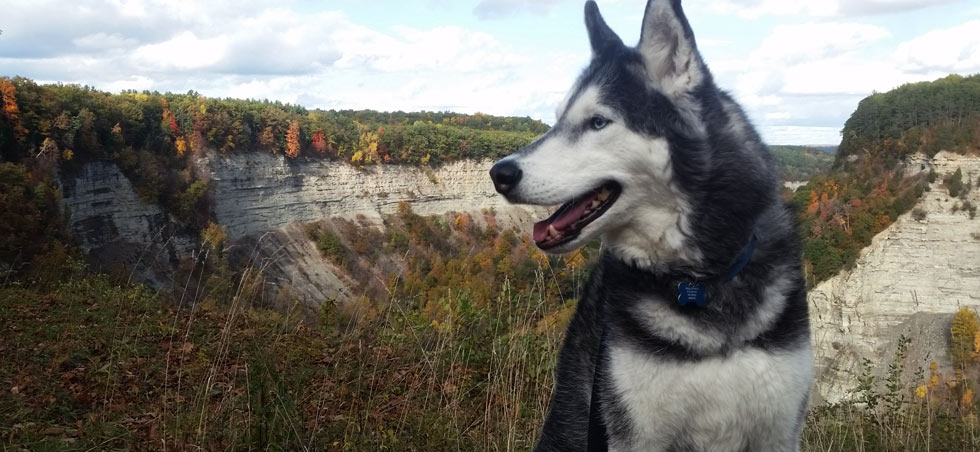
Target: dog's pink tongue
<point>573,214</point>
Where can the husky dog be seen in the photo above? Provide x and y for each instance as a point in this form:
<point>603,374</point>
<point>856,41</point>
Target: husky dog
<point>693,333</point>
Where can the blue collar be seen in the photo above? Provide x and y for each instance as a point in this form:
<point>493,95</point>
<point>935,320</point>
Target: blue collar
<point>693,292</point>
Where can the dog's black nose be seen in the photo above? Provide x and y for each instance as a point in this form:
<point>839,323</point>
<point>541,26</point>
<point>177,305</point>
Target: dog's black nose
<point>505,175</point>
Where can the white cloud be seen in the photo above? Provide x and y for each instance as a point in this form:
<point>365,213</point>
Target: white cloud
<point>446,48</point>
<point>104,41</point>
<point>495,9</point>
<point>792,44</point>
<point>955,49</point>
<point>757,8</point>
<point>867,7</point>
<point>135,82</point>
<point>818,8</point>
<point>813,75</point>
<point>182,52</point>
<point>805,59</point>
<point>321,59</point>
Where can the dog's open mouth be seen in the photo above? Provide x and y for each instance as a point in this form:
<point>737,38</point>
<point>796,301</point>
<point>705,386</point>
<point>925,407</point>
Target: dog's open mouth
<point>568,221</point>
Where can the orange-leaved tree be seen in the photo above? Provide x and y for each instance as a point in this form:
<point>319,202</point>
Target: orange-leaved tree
<point>292,140</point>
<point>10,110</point>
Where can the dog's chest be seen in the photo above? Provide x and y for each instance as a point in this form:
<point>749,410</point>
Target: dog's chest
<point>717,404</point>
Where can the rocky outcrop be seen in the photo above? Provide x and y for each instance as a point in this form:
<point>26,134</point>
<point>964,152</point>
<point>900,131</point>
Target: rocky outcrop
<point>910,281</point>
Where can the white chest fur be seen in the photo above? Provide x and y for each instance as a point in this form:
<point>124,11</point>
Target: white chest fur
<point>749,398</point>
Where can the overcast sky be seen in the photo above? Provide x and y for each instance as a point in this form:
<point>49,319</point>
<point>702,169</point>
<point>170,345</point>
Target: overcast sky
<point>798,66</point>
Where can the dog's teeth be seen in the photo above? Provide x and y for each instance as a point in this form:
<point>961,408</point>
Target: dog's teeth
<point>595,203</point>
<point>603,195</point>
<point>552,232</point>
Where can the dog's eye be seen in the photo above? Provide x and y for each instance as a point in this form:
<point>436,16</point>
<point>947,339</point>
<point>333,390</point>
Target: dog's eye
<point>598,122</point>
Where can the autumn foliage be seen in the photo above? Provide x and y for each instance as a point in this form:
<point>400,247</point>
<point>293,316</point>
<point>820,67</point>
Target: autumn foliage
<point>83,119</point>
<point>840,213</point>
<point>868,188</point>
<point>964,338</point>
<point>437,261</point>
<point>292,140</point>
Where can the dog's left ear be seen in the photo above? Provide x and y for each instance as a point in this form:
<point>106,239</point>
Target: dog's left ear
<point>668,49</point>
<point>601,36</point>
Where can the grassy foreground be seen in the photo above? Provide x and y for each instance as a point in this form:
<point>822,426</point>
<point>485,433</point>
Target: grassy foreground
<point>91,365</point>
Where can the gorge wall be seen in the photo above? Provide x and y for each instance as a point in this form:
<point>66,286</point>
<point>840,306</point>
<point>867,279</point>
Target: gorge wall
<point>114,227</point>
<point>911,280</point>
<point>261,199</point>
<point>257,192</point>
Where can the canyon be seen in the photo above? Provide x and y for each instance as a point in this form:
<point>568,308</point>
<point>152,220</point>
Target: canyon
<point>262,201</point>
<point>909,282</point>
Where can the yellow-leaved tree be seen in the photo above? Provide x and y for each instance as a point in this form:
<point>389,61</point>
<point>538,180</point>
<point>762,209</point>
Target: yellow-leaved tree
<point>181,146</point>
<point>964,330</point>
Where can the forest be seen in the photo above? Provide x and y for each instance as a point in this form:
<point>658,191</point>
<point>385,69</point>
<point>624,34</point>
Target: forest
<point>801,163</point>
<point>918,117</point>
<point>95,124</point>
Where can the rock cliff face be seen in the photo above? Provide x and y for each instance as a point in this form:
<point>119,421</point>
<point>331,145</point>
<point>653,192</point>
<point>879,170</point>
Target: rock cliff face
<point>114,226</point>
<point>258,192</point>
<point>260,199</point>
<point>910,281</point>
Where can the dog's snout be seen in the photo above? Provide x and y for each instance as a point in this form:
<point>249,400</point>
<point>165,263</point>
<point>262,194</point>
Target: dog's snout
<point>505,174</point>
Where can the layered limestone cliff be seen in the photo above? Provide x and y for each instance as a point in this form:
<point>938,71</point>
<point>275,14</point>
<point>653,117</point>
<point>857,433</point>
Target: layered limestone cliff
<point>910,281</point>
<point>258,192</point>
<point>261,200</point>
<point>114,226</point>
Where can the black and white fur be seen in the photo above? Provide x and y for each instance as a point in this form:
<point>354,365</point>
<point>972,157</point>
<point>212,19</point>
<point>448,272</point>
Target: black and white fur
<point>697,183</point>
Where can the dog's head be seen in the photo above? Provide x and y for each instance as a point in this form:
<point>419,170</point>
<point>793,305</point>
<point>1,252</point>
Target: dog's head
<point>643,150</point>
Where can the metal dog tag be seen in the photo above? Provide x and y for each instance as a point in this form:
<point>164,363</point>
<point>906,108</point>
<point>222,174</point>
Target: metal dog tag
<point>691,293</point>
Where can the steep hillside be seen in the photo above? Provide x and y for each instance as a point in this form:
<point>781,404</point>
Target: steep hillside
<point>910,281</point>
<point>869,187</point>
<point>890,235</point>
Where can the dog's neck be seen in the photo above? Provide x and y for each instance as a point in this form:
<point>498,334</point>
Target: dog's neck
<point>668,273</point>
<point>656,241</point>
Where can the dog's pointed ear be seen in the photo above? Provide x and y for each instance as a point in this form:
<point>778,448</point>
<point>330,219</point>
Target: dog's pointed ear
<point>601,36</point>
<point>668,49</point>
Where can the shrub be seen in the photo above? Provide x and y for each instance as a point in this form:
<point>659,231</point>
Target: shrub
<point>969,208</point>
<point>330,245</point>
<point>918,214</point>
<point>954,183</point>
